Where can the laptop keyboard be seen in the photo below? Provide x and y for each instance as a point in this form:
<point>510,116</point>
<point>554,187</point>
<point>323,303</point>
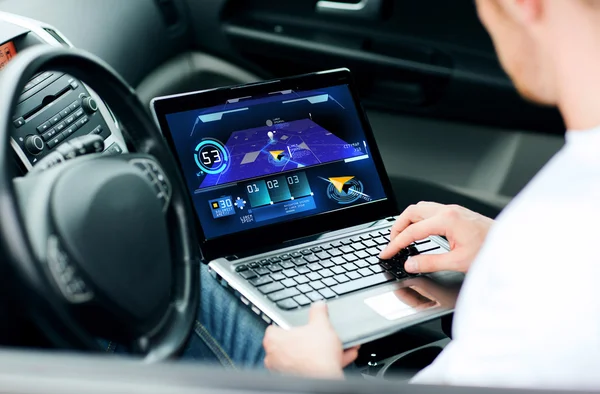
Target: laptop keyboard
<point>295,280</point>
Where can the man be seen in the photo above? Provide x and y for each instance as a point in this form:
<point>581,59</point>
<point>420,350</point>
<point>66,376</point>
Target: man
<point>527,314</point>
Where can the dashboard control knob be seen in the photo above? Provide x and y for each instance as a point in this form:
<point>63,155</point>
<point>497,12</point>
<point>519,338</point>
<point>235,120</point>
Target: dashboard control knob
<point>89,105</point>
<point>34,144</point>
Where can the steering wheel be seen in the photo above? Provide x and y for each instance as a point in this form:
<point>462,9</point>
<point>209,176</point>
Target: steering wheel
<point>99,246</point>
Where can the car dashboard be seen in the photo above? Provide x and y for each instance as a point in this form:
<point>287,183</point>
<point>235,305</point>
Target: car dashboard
<point>54,108</point>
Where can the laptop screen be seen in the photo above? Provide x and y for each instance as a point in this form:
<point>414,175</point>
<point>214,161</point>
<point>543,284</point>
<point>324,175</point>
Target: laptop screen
<point>257,161</point>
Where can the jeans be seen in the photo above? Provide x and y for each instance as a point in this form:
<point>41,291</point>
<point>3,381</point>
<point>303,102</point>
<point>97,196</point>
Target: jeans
<point>225,333</point>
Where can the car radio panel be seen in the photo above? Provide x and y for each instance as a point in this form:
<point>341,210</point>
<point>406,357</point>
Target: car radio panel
<point>54,107</point>
<point>60,110</point>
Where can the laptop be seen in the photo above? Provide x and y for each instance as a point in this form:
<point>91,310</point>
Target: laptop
<point>294,205</point>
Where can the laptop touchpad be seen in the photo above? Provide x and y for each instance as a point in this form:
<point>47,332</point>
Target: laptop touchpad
<point>401,303</point>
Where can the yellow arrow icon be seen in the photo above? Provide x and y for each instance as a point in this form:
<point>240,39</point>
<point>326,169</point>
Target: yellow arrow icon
<point>339,182</point>
<point>276,154</point>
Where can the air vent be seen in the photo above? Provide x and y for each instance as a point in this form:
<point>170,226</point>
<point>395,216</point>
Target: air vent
<point>56,36</point>
<point>169,12</point>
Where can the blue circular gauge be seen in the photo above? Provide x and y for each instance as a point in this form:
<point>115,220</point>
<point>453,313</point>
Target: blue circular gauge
<point>211,156</point>
<point>350,193</point>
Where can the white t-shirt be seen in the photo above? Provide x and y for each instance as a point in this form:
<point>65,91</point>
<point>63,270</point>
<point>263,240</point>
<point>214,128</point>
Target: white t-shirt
<point>529,311</point>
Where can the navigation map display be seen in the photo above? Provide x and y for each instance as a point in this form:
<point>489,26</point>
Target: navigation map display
<point>255,161</point>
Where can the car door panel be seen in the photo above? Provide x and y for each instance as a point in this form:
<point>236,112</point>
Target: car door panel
<point>439,102</point>
<point>410,60</point>
<point>426,71</point>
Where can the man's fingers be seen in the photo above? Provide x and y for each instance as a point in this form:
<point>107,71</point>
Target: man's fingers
<point>271,336</point>
<point>406,218</point>
<point>318,313</point>
<point>426,263</point>
<point>414,213</point>
<point>415,232</point>
<point>349,356</point>
<point>268,363</point>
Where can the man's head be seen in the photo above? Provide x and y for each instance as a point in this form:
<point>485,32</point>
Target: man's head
<point>542,43</point>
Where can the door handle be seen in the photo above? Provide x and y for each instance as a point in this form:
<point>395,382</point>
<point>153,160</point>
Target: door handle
<point>367,9</point>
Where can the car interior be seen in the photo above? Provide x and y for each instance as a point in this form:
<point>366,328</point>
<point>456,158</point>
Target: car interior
<point>77,133</point>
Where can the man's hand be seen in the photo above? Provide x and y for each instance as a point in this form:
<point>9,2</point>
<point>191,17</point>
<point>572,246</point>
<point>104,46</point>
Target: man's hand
<point>313,350</point>
<point>464,229</point>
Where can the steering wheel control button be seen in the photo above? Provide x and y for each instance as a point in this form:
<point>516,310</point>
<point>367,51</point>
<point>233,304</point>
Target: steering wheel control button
<point>162,179</point>
<point>81,146</point>
<point>34,144</point>
<point>49,161</point>
<point>77,287</point>
<point>71,286</point>
<point>144,169</point>
<point>89,105</point>
<point>157,177</point>
<point>68,274</point>
<point>70,150</point>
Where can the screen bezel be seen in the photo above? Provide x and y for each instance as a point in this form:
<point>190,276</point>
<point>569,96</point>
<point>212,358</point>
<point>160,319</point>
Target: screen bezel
<point>280,232</point>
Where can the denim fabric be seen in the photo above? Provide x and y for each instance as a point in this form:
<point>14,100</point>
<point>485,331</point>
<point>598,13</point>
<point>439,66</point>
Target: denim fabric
<point>226,332</point>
